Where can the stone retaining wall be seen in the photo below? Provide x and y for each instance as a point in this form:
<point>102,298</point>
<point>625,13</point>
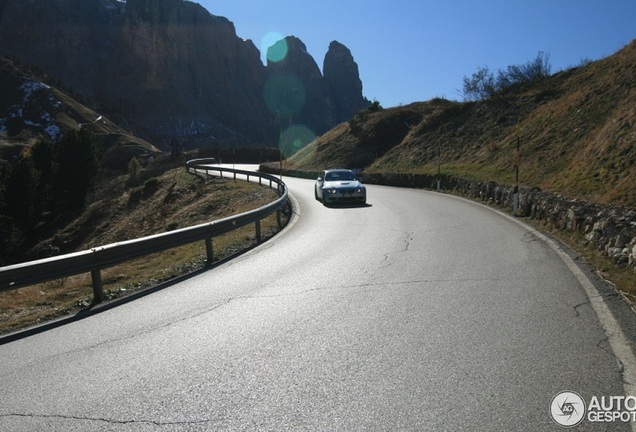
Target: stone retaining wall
<point>611,229</point>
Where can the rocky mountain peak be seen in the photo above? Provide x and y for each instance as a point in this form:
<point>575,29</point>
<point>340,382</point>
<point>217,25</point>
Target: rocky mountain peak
<point>341,72</point>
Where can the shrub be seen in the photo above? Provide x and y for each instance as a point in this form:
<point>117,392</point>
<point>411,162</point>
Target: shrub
<point>484,85</point>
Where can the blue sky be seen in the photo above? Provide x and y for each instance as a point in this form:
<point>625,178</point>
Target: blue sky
<point>415,50</point>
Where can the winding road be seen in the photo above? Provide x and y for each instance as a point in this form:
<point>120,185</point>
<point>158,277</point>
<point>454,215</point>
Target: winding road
<point>420,311</point>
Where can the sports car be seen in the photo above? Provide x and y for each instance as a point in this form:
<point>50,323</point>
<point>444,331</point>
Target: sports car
<point>339,186</point>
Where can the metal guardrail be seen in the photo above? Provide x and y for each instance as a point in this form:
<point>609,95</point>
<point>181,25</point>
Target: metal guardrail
<point>101,257</point>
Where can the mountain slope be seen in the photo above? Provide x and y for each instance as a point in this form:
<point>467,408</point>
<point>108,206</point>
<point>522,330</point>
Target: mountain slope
<point>576,131</point>
<point>31,111</point>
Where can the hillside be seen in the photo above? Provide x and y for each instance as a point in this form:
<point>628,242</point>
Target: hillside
<point>31,110</point>
<point>576,131</point>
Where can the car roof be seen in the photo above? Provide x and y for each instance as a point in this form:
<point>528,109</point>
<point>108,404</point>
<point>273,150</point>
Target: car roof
<point>337,169</point>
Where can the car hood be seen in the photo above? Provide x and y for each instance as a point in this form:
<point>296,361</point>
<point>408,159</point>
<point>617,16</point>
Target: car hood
<point>342,184</point>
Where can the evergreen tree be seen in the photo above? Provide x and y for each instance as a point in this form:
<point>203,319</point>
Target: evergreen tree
<point>18,192</point>
<point>42,176</point>
<point>77,162</point>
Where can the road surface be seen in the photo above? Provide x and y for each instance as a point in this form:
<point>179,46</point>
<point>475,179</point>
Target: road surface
<point>419,311</point>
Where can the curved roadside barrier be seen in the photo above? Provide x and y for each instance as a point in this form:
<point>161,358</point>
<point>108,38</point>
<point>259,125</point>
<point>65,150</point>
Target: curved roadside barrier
<point>94,260</point>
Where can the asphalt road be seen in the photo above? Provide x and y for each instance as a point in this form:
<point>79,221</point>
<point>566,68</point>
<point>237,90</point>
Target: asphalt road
<point>420,311</point>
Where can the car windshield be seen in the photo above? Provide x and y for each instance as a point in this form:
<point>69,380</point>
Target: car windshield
<point>340,176</point>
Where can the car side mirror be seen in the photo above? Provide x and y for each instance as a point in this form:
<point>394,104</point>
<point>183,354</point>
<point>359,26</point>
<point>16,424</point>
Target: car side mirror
<point>319,179</point>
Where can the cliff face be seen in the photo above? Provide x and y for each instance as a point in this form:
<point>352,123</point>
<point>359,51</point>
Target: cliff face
<point>341,72</point>
<point>65,39</point>
<point>181,71</point>
<point>296,90</point>
<point>169,68</point>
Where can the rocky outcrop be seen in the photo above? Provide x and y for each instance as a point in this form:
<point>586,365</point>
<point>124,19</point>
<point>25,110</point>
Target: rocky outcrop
<point>296,90</point>
<point>341,72</point>
<point>180,71</point>
<point>169,68</point>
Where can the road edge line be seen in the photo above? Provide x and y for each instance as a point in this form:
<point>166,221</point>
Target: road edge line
<point>619,343</point>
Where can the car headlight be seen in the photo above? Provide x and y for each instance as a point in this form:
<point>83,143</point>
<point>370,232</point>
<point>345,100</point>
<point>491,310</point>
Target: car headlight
<point>331,190</point>
<point>360,189</point>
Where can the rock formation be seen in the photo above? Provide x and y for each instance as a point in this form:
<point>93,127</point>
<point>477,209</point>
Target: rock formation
<point>169,68</point>
<point>341,72</point>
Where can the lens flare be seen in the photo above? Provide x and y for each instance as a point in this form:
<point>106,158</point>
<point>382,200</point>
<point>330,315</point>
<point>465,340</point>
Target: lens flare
<point>275,45</point>
<point>284,94</point>
<point>294,138</point>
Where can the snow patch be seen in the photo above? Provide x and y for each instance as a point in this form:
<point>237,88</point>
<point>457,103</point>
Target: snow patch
<point>34,112</point>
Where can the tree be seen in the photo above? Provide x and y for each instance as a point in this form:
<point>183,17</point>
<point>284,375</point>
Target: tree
<point>480,86</point>
<point>134,167</point>
<point>176,149</point>
<point>43,163</point>
<point>77,158</point>
<point>18,192</point>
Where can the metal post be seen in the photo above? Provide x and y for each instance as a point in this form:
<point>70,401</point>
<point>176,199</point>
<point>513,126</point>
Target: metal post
<point>515,198</point>
<point>98,290</point>
<point>208,250</point>
<point>258,231</point>
<point>439,166</point>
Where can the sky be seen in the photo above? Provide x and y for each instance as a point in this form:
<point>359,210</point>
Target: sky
<point>415,50</point>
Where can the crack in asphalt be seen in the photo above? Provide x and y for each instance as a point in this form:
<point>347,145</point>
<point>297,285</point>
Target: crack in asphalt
<point>407,239</point>
<point>108,421</point>
<point>577,306</point>
<point>226,301</point>
<point>223,302</point>
<point>589,303</point>
<point>603,345</point>
<point>371,285</point>
<point>529,237</point>
<point>146,331</point>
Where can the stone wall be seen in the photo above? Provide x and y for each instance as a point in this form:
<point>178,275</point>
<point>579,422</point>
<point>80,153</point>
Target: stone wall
<point>611,229</point>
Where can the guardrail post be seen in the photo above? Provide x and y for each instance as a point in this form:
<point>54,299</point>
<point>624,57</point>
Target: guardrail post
<point>98,290</point>
<point>208,250</point>
<point>258,230</point>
